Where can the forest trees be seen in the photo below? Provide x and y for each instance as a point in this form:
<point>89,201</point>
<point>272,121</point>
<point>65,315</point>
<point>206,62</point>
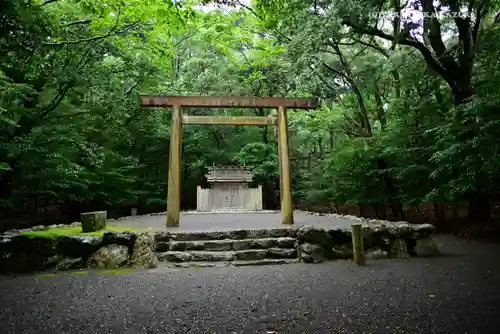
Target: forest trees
<point>409,100</point>
<point>451,37</point>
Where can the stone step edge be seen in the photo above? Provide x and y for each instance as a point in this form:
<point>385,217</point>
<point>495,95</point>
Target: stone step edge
<point>237,263</point>
<point>223,245</point>
<point>240,234</point>
<point>221,256</point>
<point>227,240</point>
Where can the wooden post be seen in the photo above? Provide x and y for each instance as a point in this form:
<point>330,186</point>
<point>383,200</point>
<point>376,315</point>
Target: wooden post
<point>174,170</point>
<point>357,244</point>
<point>285,173</point>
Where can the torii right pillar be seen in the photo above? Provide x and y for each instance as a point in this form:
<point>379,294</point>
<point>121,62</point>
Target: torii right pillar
<point>285,170</point>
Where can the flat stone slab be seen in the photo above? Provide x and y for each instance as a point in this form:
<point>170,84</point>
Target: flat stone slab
<point>226,256</point>
<point>237,263</point>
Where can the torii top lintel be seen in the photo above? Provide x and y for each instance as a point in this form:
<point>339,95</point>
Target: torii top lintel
<point>228,102</point>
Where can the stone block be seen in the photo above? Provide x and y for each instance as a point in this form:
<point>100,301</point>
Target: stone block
<point>210,245</point>
<point>251,254</point>
<point>376,254</point>
<point>399,250</point>
<point>281,253</point>
<point>174,256</point>
<point>262,243</point>
<point>162,246</point>
<point>242,244</point>
<point>426,247</point>
<point>285,242</point>
<point>93,221</point>
<point>212,256</point>
<point>311,253</point>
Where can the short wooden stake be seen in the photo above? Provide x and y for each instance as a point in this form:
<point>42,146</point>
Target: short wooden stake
<point>357,244</point>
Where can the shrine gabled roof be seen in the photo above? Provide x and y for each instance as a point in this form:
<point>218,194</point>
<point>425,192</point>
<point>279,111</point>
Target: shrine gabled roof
<point>233,174</point>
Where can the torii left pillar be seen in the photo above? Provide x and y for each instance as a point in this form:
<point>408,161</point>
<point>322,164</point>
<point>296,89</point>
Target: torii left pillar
<point>174,174</point>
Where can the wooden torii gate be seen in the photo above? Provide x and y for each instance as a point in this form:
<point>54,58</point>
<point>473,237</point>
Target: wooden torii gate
<point>178,102</point>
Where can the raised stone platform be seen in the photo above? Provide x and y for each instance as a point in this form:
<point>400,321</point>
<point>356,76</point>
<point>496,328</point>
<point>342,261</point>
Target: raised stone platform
<point>233,220</point>
<point>217,239</point>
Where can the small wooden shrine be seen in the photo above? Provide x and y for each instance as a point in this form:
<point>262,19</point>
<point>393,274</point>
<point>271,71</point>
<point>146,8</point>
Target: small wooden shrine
<point>229,189</point>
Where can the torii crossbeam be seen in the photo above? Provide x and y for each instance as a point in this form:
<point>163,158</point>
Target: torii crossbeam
<point>178,102</point>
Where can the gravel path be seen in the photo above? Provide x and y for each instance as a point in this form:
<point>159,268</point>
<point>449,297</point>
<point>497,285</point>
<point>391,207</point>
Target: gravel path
<point>456,293</point>
<point>231,221</point>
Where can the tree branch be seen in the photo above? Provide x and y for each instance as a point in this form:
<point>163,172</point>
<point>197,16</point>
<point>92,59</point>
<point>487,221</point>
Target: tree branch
<point>74,23</point>
<point>426,53</point>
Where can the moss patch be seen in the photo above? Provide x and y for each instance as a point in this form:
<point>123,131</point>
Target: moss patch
<point>120,271</point>
<point>47,275</point>
<point>79,273</point>
<point>77,230</point>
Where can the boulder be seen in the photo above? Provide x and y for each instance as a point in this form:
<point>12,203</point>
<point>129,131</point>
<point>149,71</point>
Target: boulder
<point>76,246</point>
<point>93,221</point>
<point>426,247</point>
<point>339,236</point>
<point>24,253</point>
<point>109,257</point>
<point>343,251</point>
<point>143,255</point>
<point>311,253</point>
<point>400,229</point>
<point>5,244</point>
<point>306,234</point>
<point>399,250</point>
<point>120,238</point>
<point>422,230</point>
<point>70,263</point>
<point>376,254</point>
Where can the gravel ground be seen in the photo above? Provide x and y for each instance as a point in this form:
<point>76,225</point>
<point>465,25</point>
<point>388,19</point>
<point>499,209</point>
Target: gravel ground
<point>231,221</point>
<point>458,292</point>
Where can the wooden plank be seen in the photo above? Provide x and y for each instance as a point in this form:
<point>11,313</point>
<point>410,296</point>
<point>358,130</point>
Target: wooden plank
<point>229,120</point>
<point>174,171</point>
<point>228,102</point>
<point>285,172</point>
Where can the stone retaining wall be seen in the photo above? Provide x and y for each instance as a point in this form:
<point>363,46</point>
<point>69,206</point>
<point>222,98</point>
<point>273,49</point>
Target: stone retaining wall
<point>22,253</point>
<point>382,239</point>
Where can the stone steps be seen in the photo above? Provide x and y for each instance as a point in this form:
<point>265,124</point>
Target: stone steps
<point>240,255</point>
<point>226,248</point>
